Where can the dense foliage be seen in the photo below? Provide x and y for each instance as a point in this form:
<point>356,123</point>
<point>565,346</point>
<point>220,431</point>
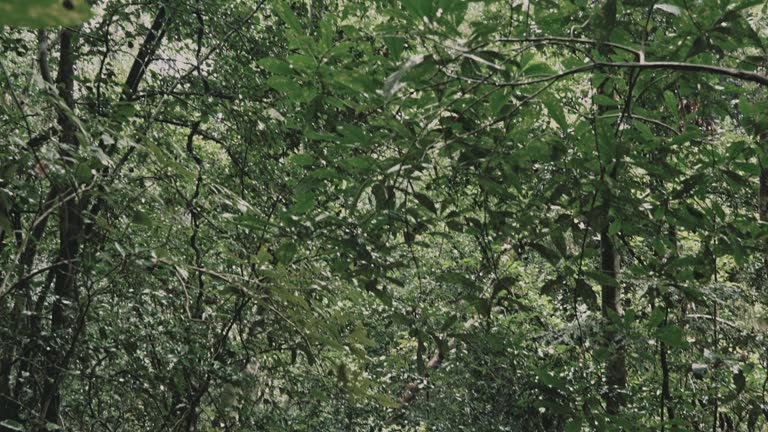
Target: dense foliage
<point>416,215</point>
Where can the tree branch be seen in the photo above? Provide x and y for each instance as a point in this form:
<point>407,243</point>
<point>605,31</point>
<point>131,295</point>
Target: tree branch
<point>567,40</point>
<point>144,57</point>
<point>688,67</point>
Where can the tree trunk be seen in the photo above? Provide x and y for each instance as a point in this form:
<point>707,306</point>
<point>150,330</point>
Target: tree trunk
<point>10,358</point>
<point>615,373</point>
<point>66,300</point>
<point>615,367</point>
<point>762,197</point>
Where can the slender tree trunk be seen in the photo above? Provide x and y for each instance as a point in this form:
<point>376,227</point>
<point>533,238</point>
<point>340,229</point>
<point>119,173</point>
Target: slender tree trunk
<point>9,407</point>
<point>615,368</point>
<point>615,373</point>
<point>66,301</point>
<point>762,197</point>
<point>10,358</point>
<point>67,322</point>
<point>666,391</point>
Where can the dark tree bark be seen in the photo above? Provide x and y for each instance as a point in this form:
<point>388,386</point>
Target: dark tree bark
<point>667,402</point>
<point>9,406</point>
<point>146,53</point>
<point>615,368</point>
<point>762,197</point>
<point>615,373</point>
<point>66,301</point>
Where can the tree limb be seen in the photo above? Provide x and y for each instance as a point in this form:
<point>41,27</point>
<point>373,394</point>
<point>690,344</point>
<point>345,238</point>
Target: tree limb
<point>146,52</point>
<point>568,40</point>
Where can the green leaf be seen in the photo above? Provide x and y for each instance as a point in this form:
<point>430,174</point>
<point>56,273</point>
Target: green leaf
<point>263,256</point>
<point>670,102</point>
<point>275,66</point>
<point>381,293</point>
<point>386,401</point>
<point>303,63</point>
<point>286,252</point>
<point>547,253</point>
<point>358,163</point>
<point>83,173</point>
<point>285,85</point>
<point>395,46</point>
<point>573,425</point>
<point>304,202</point>
<point>141,218</point>
<point>457,279</point>
<point>123,111</point>
<point>537,67</point>
<point>736,179</point>
<point>360,335</point>
<point>602,278</point>
<point>228,395</point>
<point>286,14</point>
<point>302,159</point>
<point>604,100</point>
<point>555,109</point>
<point>425,201</point>
<point>614,227</point>
<point>43,13</point>
<point>672,335</point>
<point>585,292</point>
<point>419,9</point>
<point>657,316</point>
<point>550,380</point>
<point>454,225</point>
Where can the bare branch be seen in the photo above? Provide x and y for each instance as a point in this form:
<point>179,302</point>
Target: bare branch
<point>567,40</point>
<point>688,67</point>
